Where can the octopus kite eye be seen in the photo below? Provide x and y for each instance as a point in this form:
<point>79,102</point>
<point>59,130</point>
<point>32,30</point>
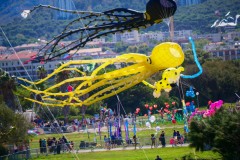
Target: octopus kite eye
<point>149,60</point>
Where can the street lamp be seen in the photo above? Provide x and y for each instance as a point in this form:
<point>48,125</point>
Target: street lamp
<point>197,93</point>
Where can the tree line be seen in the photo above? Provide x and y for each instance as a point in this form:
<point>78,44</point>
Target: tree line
<point>43,24</point>
<point>219,80</point>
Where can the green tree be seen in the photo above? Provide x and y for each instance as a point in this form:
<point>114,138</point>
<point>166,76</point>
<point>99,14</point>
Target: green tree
<point>144,49</point>
<point>21,93</point>
<point>120,47</point>
<point>219,80</point>
<point>13,127</point>
<point>219,133</point>
<point>7,87</point>
<point>132,49</point>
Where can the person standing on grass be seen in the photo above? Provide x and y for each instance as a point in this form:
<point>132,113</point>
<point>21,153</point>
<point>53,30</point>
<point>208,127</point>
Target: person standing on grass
<point>175,137</point>
<point>135,141</point>
<point>59,146</point>
<point>153,139</point>
<point>44,146</point>
<point>178,137</point>
<point>40,145</point>
<point>162,139</point>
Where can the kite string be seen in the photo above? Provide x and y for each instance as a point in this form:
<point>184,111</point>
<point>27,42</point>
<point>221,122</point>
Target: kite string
<point>32,81</point>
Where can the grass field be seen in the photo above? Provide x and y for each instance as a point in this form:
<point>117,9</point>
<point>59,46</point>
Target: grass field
<point>139,154</point>
<point>84,136</point>
<point>175,153</point>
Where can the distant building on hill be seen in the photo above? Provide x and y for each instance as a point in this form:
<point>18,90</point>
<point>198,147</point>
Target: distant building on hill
<point>223,51</point>
<point>227,54</point>
<point>128,37</point>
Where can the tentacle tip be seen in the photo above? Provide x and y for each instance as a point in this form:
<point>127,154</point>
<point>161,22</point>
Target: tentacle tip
<point>156,95</point>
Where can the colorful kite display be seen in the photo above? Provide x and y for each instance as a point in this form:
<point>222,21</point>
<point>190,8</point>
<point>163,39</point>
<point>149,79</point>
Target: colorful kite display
<point>98,24</point>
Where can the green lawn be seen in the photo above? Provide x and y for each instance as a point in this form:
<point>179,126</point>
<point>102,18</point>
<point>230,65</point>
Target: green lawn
<point>139,154</point>
<point>144,135</point>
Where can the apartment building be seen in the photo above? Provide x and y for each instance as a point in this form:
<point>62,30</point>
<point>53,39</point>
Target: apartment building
<point>223,51</point>
<point>128,37</point>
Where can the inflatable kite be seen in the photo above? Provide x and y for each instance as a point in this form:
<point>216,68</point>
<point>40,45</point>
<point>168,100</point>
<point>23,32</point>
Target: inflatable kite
<point>97,24</point>
<point>190,92</point>
<point>101,85</point>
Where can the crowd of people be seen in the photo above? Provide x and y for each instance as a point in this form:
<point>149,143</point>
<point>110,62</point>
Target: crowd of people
<point>52,145</point>
<point>176,139</point>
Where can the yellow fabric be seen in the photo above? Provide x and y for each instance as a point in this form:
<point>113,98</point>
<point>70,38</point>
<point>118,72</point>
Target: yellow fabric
<point>98,86</point>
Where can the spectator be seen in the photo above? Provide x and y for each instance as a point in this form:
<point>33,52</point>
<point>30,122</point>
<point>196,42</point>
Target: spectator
<point>162,139</point>
<point>153,139</point>
<point>158,158</point>
<point>174,134</point>
<point>58,146</point>
<point>40,145</point>
<point>178,138</point>
<point>71,145</point>
<point>106,141</point>
<point>44,146</point>
<point>113,139</point>
<point>172,141</point>
<point>135,141</point>
<point>175,137</point>
<point>15,147</point>
<point>49,144</point>
<point>54,148</point>
<point>28,154</point>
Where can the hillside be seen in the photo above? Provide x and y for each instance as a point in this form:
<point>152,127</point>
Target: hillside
<point>201,17</point>
<point>44,24</point>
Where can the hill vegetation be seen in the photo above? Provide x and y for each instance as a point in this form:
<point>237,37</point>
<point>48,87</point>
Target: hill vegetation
<point>43,23</point>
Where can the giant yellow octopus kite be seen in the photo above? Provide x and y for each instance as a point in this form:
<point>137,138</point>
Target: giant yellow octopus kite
<point>97,86</point>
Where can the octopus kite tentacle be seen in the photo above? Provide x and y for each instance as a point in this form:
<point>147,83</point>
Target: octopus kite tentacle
<point>98,24</point>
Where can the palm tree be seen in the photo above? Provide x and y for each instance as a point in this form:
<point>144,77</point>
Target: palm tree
<point>7,86</point>
<point>61,76</point>
<point>42,73</point>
